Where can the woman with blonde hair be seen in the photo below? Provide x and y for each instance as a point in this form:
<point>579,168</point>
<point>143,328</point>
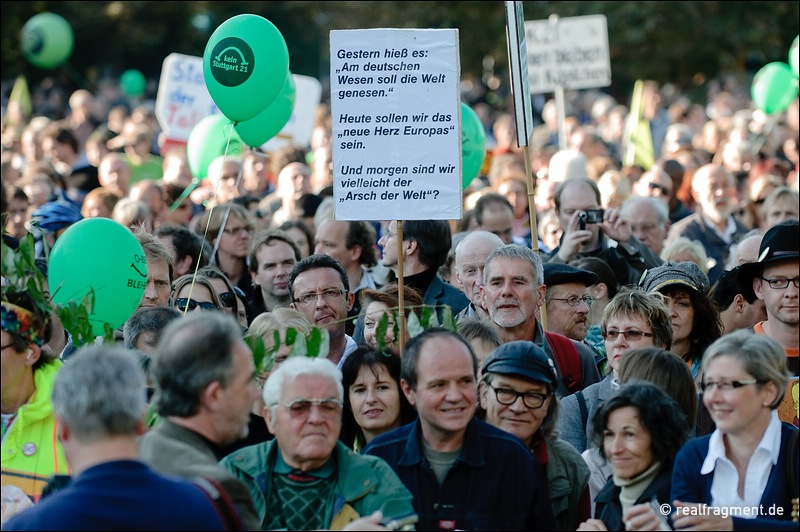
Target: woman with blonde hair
<point>683,249</point>
<point>195,292</point>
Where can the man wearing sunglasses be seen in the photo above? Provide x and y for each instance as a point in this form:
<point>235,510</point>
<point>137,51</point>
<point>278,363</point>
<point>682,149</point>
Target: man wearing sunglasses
<point>305,478</point>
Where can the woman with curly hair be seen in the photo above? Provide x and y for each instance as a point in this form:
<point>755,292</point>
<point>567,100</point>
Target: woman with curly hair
<point>639,430</point>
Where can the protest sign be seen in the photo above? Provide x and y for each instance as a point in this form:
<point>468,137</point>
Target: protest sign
<point>396,124</point>
<point>569,52</point>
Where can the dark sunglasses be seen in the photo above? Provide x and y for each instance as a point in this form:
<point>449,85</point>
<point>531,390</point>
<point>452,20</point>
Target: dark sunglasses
<point>183,302</point>
<point>229,298</point>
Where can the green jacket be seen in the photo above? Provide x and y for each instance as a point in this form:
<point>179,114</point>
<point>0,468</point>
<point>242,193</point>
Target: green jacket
<point>568,480</point>
<point>364,483</point>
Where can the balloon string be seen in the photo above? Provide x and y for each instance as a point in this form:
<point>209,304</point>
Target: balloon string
<point>213,259</point>
<point>188,190</point>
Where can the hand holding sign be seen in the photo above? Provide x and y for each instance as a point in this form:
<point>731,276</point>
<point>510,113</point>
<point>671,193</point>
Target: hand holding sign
<point>245,65</point>
<point>100,255</point>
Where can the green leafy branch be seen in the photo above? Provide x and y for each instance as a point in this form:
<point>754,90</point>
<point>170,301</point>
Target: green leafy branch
<point>316,344</point>
<point>20,274</point>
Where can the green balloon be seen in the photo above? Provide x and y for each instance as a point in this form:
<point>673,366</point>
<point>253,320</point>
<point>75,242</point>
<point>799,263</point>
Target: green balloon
<point>270,121</point>
<point>245,65</point>
<point>793,56</point>
<point>102,255</point>
<point>774,88</point>
<point>132,82</point>
<point>47,40</point>
<point>208,140</point>
<point>473,145</point>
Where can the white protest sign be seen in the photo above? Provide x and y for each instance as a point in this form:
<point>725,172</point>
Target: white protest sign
<point>570,52</point>
<point>308,94</point>
<point>183,99</point>
<point>396,107</point>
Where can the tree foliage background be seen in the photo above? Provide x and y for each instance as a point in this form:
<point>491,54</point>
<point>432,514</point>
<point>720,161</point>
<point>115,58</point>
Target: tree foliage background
<point>683,43</point>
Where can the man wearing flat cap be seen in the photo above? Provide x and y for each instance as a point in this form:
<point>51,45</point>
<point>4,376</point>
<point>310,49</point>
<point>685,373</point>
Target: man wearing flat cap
<point>568,302</point>
<point>775,277</point>
<point>517,394</point>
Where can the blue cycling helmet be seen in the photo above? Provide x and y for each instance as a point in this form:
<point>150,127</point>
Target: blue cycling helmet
<point>55,215</point>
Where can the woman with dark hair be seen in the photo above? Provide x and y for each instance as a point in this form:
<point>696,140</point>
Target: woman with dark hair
<point>695,318</point>
<point>301,234</point>
<point>639,430</point>
<point>373,400</point>
<point>662,368</point>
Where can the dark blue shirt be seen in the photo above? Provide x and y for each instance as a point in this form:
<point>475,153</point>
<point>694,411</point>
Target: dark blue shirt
<point>495,483</point>
<point>121,495</point>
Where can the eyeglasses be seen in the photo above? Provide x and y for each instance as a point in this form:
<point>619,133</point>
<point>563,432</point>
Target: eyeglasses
<point>575,301</point>
<point>10,344</point>
<point>508,397</point>
<point>707,386</point>
<point>780,284</point>
<point>183,302</point>
<point>664,190</point>
<point>228,299</point>
<point>236,230</point>
<point>330,295</point>
<point>632,335</point>
<point>645,228</point>
<point>302,407</point>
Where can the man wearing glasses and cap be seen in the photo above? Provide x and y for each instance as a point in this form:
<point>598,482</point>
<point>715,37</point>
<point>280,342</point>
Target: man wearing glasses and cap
<point>775,278</point>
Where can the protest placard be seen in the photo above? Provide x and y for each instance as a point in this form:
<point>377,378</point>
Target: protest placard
<point>395,110</point>
<point>568,52</point>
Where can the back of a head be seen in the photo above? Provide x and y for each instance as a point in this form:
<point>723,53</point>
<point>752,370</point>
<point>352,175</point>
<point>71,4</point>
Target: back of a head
<point>194,351</point>
<point>100,394</point>
<point>433,237</point>
<point>603,271</point>
<point>147,320</point>
<point>666,370</point>
<point>567,164</point>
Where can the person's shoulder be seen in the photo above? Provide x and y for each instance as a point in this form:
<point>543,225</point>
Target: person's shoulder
<point>691,222</point>
<point>694,450</point>
<point>498,437</point>
<point>400,435</point>
<point>248,457</point>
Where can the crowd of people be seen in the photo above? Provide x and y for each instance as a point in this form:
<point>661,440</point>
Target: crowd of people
<point>621,353</point>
